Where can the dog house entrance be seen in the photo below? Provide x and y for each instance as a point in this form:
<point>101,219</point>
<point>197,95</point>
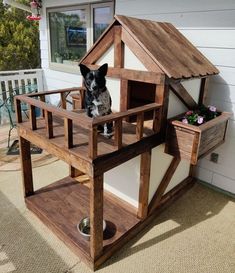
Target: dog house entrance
<point>141,93</point>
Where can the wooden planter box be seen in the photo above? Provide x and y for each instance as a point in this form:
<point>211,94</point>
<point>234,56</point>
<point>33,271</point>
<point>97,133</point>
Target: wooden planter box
<point>193,142</point>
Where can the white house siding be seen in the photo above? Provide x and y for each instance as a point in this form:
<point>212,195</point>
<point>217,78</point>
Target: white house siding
<point>210,26</point>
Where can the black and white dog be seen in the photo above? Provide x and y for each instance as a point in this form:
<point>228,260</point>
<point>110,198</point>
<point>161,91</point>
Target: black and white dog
<point>97,98</point>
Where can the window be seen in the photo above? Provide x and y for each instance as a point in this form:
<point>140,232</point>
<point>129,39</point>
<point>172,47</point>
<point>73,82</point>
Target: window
<point>74,29</point>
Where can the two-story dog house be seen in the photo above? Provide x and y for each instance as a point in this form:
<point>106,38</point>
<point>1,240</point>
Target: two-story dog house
<point>130,175</point>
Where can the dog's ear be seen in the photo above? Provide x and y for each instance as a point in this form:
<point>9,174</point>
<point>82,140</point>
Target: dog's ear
<point>103,69</point>
<point>84,70</point>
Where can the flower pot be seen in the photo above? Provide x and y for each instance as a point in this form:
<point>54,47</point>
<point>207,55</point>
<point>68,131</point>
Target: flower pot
<point>193,142</point>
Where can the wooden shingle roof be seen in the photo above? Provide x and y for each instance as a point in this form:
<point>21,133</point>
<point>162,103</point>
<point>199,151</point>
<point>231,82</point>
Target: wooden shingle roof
<point>171,51</point>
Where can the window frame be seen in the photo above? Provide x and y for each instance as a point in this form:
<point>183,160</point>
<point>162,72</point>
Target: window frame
<point>89,7</point>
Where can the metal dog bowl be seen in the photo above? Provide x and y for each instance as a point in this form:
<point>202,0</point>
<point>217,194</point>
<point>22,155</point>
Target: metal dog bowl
<point>84,227</point>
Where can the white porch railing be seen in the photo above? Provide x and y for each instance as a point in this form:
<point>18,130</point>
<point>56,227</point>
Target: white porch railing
<point>17,82</point>
<point>13,80</point>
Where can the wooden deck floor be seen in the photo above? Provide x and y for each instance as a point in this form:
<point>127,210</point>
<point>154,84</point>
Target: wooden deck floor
<point>64,203</point>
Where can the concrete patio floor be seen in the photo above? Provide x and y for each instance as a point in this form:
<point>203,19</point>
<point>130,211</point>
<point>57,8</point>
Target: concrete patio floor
<point>195,234</point>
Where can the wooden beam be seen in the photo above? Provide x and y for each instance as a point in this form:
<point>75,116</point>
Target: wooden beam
<point>18,110</point>
<point>49,123</point>
<point>145,165</point>
<point>183,95</point>
<point>32,117</point>
<point>162,98</point>
<point>203,90</point>
<point>164,183</point>
<point>134,75</point>
<point>68,133</point>
<point>118,133</point>
<point>96,216</point>
<point>118,47</point>
<point>26,166</point>
<point>124,95</point>
<point>93,143</point>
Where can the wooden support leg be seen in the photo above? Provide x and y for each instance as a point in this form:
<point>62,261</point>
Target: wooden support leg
<point>145,165</point>
<point>26,166</point>
<point>73,172</point>
<point>96,216</point>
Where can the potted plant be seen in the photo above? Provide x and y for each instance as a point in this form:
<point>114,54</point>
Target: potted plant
<point>196,133</point>
<point>58,57</point>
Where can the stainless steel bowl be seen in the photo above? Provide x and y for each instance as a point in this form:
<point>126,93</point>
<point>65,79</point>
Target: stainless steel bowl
<point>84,227</point>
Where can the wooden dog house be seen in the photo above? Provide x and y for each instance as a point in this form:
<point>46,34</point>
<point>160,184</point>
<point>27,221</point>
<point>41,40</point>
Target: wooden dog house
<point>165,58</point>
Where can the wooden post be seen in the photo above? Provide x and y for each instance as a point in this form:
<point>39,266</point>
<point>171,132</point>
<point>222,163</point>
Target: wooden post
<point>124,95</point>
<point>18,111</point>
<point>139,126</point>
<point>63,100</point>
<point>96,216</point>
<point>68,132</point>
<point>93,143</point>
<point>162,97</point>
<point>118,47</point>
<point>145,165</point>
<point>118,133</point>
<point>49,123</point>
<point>26,166</point>
<point>32,117</point>
<point>43,99</point>
<point>203,90</point>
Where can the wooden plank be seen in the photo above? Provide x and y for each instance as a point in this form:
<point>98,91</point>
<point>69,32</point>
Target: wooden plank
<point>118,48</point>
<point>134,75</point>
<point>162,98</point>
<point>63,100</point>
<point>139,126</point>
<point>83,120</point>
<point>96,216</point>
<point>26,166</point>
<point>183,95</point>
<point>118,133</point>
<point>203,90</point>
<point>76,160</point>
<point>32,117</point>
<point>57,91</point>
<point>145,166</point>
<point>93,143</point>
<point>49,124</point>
<point>43,99</point>
<point>164,183</point>
<point>18,110</point>
<point>139,52</point>
<point>124,95</point>
<point>129,112</point>
<point>68,133</point>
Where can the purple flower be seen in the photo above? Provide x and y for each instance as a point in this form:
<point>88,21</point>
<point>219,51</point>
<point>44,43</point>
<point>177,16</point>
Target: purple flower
<point>200,120</point>
<point>184,120</point>
<point>212,108</point>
